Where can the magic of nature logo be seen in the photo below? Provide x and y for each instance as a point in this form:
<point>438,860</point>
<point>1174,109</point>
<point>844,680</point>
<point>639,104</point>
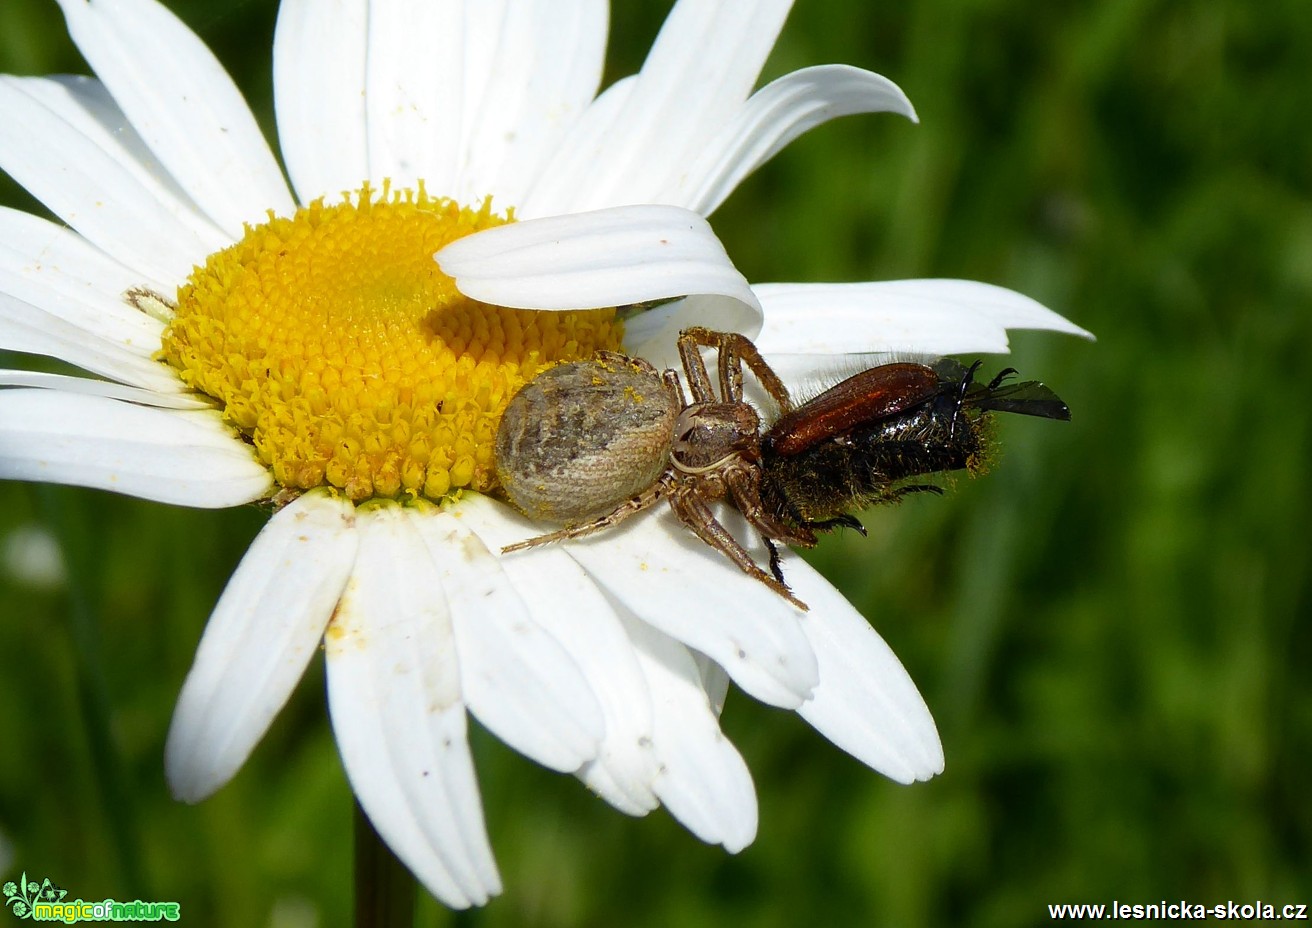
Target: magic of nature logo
<point>46,902</point>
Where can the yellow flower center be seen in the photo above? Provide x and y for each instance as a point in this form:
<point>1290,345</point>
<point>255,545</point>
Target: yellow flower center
<point>339,348</point>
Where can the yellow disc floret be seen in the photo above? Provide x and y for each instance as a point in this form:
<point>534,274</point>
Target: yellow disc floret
<point>338,347</point>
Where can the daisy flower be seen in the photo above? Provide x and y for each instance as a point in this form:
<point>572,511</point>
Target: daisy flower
<point>249,341</point>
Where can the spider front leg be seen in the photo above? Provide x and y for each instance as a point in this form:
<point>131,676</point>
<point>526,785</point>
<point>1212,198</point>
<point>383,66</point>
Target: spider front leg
<point>744,484</point>
<point>699,381</point>
<point>695,512</point>
<point>630,507</point>
<point>672,381</point>
<point>734,351</point>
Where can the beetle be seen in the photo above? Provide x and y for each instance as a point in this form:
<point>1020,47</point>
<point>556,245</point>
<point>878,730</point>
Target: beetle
<point>858,443</point>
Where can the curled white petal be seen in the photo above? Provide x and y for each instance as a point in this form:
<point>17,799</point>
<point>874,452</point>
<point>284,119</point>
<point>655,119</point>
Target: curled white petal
<point>701,68</point>
<point>188,458</point>
<point>395,699</point>
<point>653,334</point>
<point>609,257</point>
<point>516,678</point>
<point>774,116</point>
<point>714,681</point>
<point>264,631</point>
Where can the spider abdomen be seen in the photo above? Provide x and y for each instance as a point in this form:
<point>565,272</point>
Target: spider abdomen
<point>581,438</point>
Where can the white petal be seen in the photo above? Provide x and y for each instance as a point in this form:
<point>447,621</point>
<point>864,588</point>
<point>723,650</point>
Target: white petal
<point>184,105</point>
<point>701,68</point>
<point>773,117</point>
<point>516,679</point>
<point>555,189</point>
<point>606,258</point>
<point>565,601</point>
<point>480,34</point>
<point>415,87</point>
<point>714,681</point>
<point>543,73</point>
<point>319,93</point>
<point>66,384</point>
<point>264,630</point>
<point>24,327</point>
<point>934,317</point>
<point>77,167</point>
<point>394,695</point>
<point>51,266</point>
<point>185,458</point>
<point>672,580</point>
<point>865,702</point>
<point>703,780</point>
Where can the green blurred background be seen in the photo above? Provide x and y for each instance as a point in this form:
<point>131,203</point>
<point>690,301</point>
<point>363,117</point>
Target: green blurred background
<point>1111,628</point>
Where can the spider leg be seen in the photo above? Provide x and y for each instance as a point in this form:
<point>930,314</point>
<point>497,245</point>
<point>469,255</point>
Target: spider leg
<point>731,372</point>
<point>630,507</point>
<point>745,490</point>
<point>695,513</point>
<point>741,351</point>
<point>744,486</point>
<point>672,381</point>
<point>966,381</point>
<point>699,381</point>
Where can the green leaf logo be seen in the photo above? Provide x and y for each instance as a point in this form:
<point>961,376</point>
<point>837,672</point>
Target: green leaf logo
<point>21,896</point>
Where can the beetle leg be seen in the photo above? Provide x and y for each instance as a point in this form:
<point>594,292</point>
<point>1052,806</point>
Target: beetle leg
<point>998,380</point>
<point>630,507</point>
<point>841,521</point>
<point>774,559</point>
<point>895,495</point>
<point>695,513</point>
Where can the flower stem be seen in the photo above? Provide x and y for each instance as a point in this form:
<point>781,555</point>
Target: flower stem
<point>384,889</point>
